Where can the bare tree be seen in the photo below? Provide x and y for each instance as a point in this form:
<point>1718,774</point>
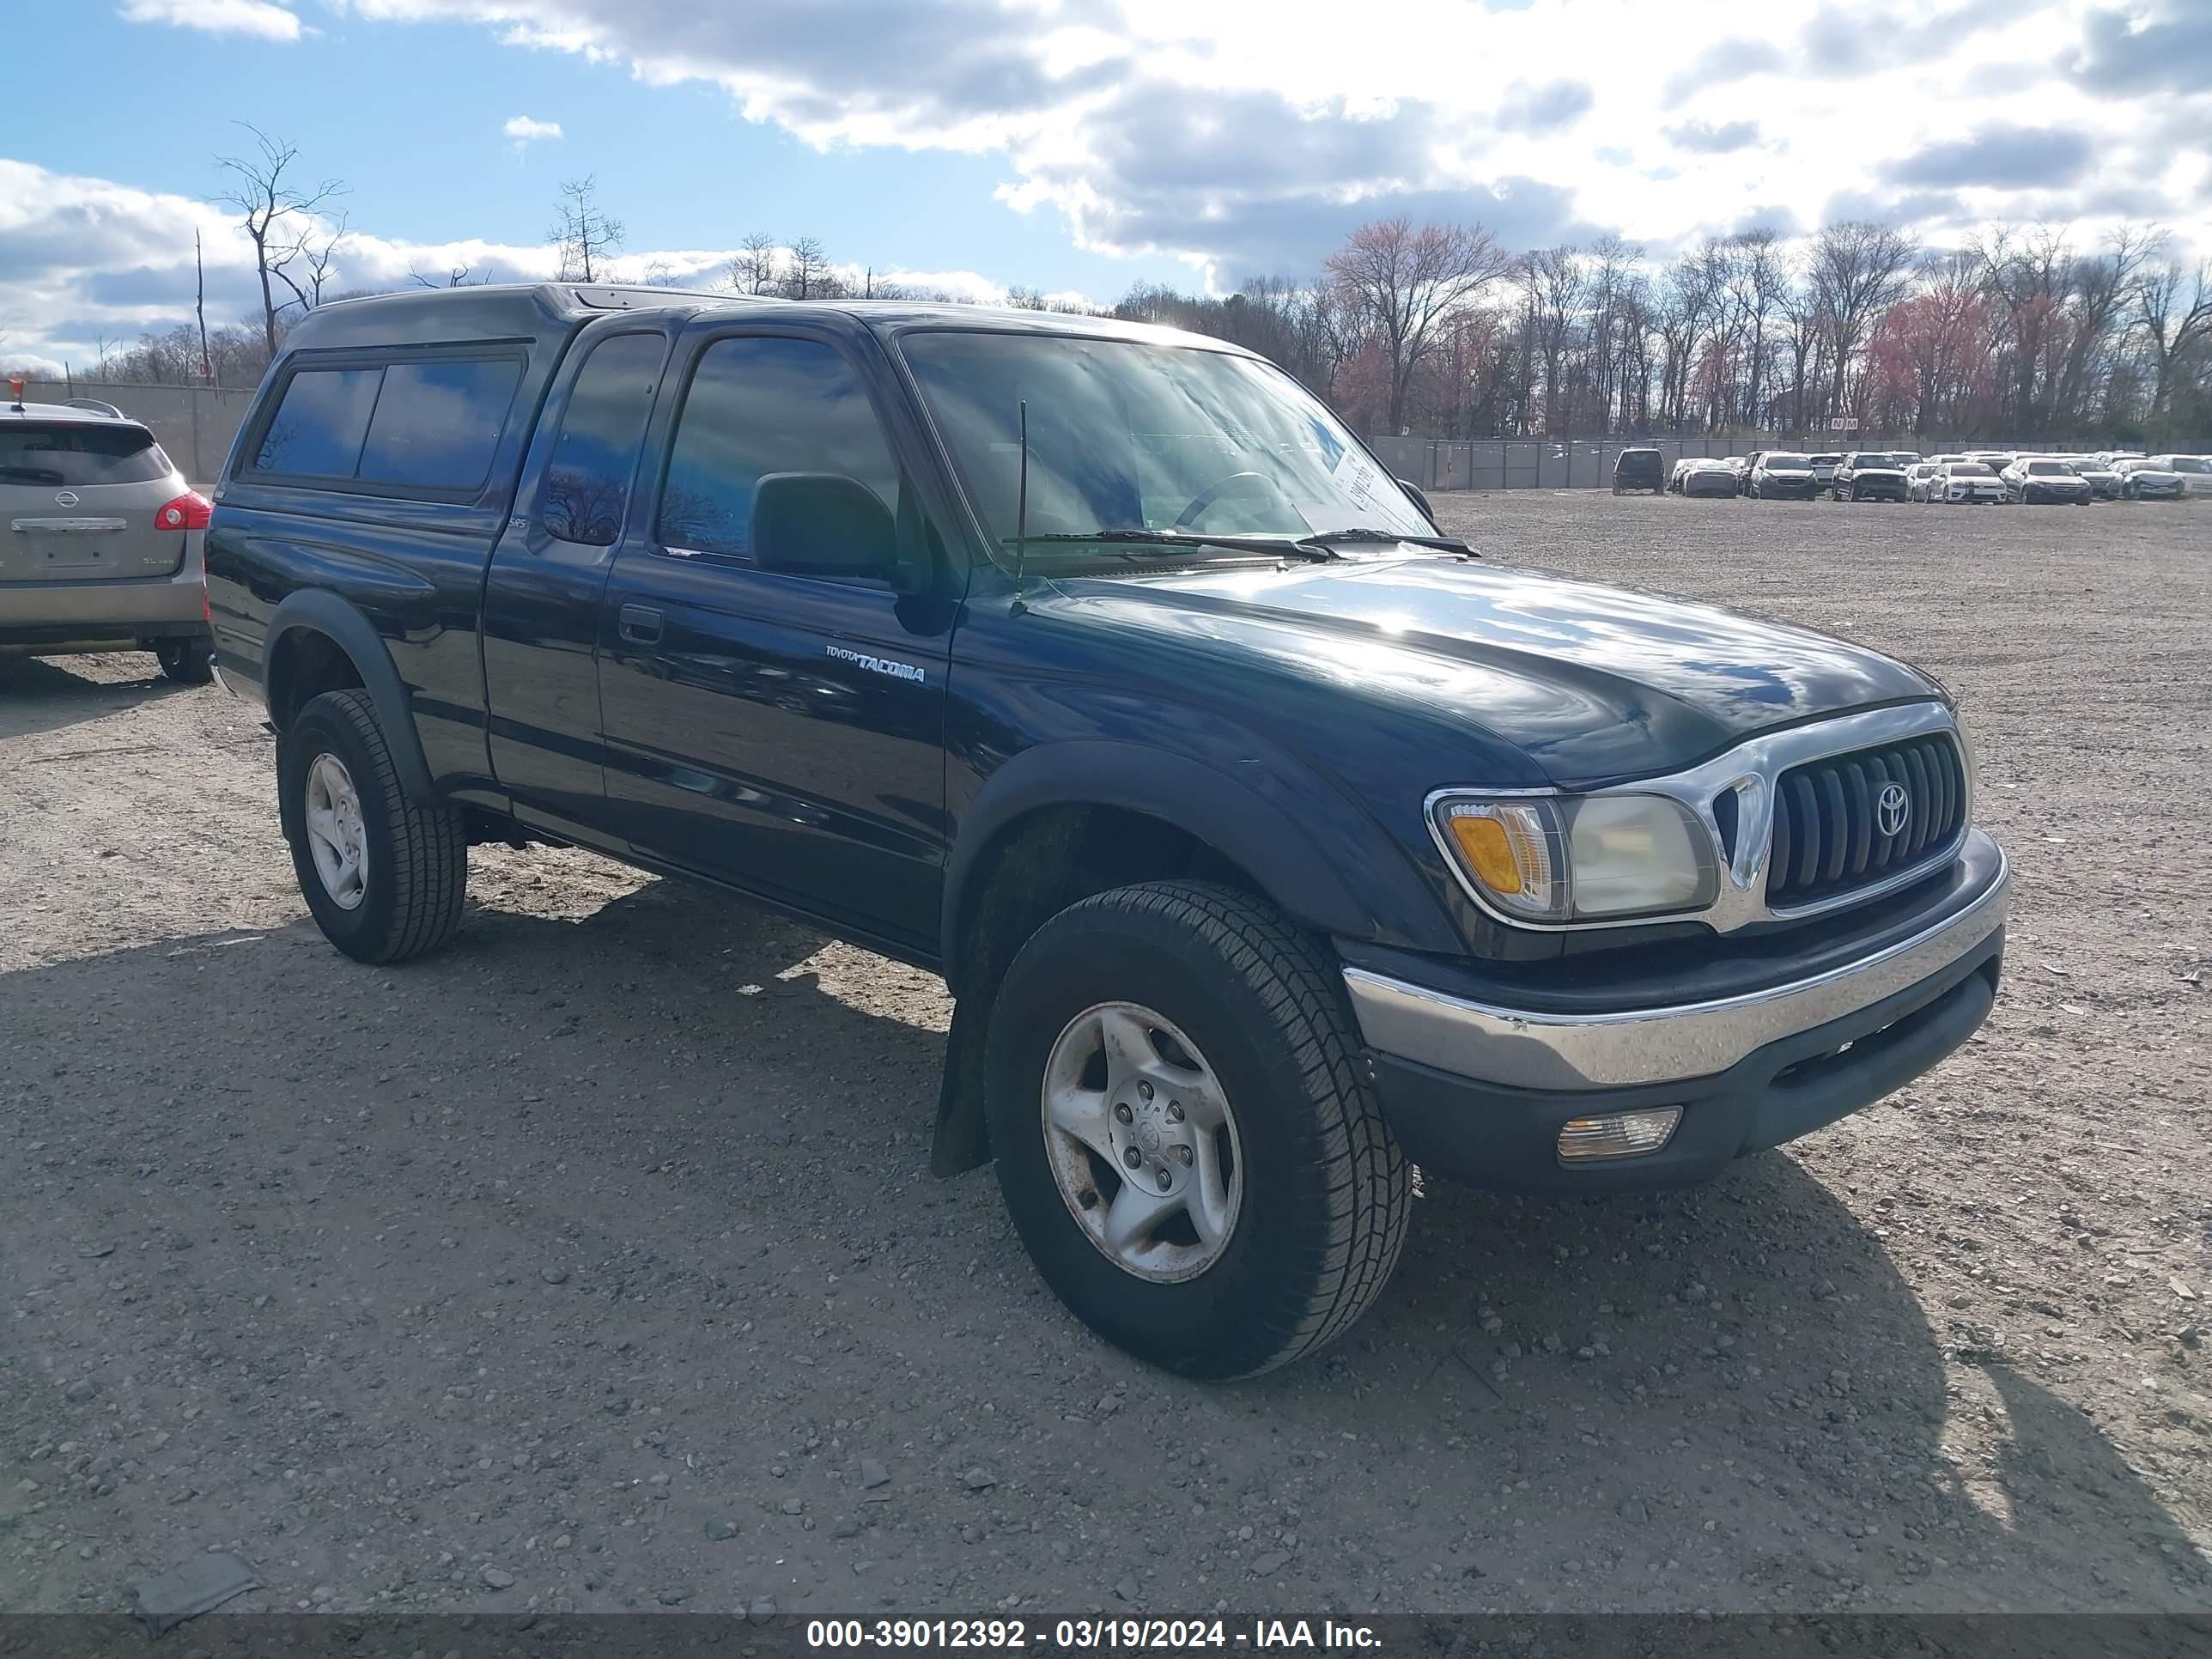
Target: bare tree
<point>1687,299</point>
<point>1859,270</point>
<point>1613,268</point>
<point>2101,285</point>
<point>1760,277</point>
<point>1802,313</point>
<point>805,277</point>
<point>314,260</point>
<point>455,277</point>
<point>755,268</point>
<point>583,231</point>
<point>270,204</point>
<point>1405,281</point>
<point>2174,310</point>
<point>1555,282</point>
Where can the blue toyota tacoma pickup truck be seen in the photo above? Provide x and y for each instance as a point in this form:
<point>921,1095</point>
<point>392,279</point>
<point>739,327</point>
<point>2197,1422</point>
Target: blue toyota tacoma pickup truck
<point>1270,843</point>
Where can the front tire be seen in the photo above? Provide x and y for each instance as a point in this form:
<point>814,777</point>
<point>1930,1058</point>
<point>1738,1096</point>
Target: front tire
<point>1183,1139</point>
<point>383,878</point>
<point>187,662</point>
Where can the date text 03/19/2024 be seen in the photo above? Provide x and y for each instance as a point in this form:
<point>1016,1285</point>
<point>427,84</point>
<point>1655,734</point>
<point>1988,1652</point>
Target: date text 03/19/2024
<point>1082,1634</point>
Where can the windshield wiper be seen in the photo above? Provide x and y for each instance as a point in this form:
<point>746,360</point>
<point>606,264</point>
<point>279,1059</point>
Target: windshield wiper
<point>32,475</point>
<point>1361,533</point>
<point>1305,546</point>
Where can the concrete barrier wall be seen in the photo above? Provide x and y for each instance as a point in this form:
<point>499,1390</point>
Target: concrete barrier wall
<point>194,424</point>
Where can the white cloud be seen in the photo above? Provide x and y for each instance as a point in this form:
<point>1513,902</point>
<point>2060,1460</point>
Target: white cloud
<point>86,261</point>
<point>264,18</point>
<point>1244,137</point>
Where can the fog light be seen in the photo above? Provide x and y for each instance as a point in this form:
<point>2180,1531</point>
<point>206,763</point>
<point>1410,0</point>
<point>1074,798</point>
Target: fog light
<point>1618,1135</point>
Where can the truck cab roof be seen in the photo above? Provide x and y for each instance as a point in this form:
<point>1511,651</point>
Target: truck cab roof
<point>555,310</point>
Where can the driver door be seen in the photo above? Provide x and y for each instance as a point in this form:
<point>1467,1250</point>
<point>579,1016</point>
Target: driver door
<point>772,721</point>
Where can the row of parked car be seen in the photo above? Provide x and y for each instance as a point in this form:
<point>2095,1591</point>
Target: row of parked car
<point>1897,475</point>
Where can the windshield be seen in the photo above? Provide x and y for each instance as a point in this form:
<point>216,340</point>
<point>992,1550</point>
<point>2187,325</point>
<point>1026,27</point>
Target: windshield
<point>1125,434</point>
<point>1967,469</point>
<point>2043,469</point>
<point>80,452</point>
<point>1866,461</point>
<point>1771,462</point>
<point>2189,464</point>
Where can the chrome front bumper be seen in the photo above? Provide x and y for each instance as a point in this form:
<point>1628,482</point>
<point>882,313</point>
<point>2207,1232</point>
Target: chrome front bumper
<point>1516,1049</point>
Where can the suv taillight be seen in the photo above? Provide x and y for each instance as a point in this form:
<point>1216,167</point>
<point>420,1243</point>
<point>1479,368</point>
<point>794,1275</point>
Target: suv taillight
<point>190,511</point>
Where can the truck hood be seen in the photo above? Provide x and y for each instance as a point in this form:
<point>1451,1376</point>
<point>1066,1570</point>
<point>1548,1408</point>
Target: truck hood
<point>1593,684</point>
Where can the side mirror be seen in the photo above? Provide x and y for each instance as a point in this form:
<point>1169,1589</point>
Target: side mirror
<point>1420,501</point>
<point>827,524</point>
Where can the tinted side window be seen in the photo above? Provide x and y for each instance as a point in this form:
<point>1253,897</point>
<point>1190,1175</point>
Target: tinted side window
<point>587,481</point>
<point>318,427</point>
<point>764,405</point>
<point>437,424</point>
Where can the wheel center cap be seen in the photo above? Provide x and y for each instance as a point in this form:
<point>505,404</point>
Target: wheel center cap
<point>1154,1141</point>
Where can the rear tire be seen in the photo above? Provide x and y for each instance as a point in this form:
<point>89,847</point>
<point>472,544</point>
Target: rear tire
<point>400,895</point>
<point>1323,1193</point>
<point>188,662</point>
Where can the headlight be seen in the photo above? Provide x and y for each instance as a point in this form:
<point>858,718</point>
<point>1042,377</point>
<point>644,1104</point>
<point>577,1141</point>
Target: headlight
<point>1580,858</point>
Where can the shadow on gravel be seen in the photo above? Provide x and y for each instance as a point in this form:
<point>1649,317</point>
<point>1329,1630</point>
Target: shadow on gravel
<point>1744,1358</point>
<point>1576,1404</point>
<point>39,696</point>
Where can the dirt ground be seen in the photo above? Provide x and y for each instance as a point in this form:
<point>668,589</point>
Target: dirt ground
<point>593,1263</point>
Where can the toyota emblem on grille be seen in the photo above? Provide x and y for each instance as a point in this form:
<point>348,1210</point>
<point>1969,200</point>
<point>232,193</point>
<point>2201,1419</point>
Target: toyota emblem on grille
<point>66,498</point>
<point>1893,810</point>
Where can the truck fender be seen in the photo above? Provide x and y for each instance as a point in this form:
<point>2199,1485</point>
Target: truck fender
<point>1229,816</point>
<point>320,610</point>
<point>1277,847</point>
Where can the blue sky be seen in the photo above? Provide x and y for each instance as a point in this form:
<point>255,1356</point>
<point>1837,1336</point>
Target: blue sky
<point>412,115</point>
<point>1075,146</point>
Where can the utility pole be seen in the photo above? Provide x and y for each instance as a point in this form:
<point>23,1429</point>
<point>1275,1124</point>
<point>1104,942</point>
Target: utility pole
<point>199,270</point>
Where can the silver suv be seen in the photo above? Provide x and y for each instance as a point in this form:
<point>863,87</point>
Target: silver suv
<point>100,539</point>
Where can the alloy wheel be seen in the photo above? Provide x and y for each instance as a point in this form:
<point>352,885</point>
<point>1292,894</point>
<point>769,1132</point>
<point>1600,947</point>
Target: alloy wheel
<point>1142,1142</point>
<point>337,836</point>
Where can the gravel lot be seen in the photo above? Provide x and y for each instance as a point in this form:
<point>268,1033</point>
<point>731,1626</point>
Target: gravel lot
<point>593,1263</point>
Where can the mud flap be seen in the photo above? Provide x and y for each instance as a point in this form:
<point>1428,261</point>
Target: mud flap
<point>962,1142</point>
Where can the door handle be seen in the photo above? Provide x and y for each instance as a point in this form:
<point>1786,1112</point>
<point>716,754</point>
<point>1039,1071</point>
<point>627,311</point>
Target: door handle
<point>640,624</point>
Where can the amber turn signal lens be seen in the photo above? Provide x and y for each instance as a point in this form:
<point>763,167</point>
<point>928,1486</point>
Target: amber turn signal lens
<point>1489,853</point>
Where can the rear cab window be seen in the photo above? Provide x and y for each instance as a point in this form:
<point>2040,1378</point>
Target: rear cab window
<point>65,455</point>
<point>423,424</point>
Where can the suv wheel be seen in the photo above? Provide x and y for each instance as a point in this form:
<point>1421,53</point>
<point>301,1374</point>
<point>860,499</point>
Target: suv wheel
<point>1185,1146</point>
<point>188,662</point>
<point>383,878</point>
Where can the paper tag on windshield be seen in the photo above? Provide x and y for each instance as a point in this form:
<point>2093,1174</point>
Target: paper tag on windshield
<point>1358,476</point>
